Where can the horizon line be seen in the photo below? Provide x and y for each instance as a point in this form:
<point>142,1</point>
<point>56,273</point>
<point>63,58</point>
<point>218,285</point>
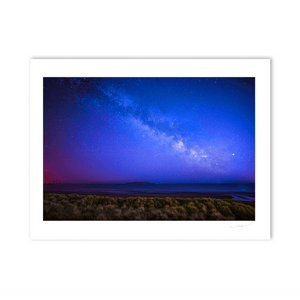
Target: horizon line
<point>91,182</point>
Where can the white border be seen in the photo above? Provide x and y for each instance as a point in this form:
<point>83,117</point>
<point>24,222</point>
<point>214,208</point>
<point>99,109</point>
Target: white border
<point>152,230</point>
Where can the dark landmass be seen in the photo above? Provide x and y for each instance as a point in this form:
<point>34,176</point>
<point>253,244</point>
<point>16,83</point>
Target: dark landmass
<point>139,194</point>
<point>139,182</point>
<point>91,207</point>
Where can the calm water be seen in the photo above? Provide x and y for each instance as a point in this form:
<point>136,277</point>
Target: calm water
<point>239,191</point>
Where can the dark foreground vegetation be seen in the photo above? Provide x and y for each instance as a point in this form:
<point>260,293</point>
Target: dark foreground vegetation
<point>83,207</point>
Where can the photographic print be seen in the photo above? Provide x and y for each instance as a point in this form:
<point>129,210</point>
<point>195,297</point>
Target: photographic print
<point>149,148</point>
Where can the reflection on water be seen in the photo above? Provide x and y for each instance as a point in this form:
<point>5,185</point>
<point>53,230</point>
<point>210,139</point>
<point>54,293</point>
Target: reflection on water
<point>245,191</point>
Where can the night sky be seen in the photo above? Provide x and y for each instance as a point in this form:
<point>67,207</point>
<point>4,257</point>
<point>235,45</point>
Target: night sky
<point>160,130</point>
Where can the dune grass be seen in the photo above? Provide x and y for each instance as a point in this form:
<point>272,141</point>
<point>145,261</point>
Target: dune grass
<point>82,207</point>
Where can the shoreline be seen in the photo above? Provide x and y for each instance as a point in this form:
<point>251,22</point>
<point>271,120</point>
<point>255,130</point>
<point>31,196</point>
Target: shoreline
<point>191,195</point>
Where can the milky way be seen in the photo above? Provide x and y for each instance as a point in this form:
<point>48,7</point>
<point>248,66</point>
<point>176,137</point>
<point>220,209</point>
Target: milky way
<point>162,130</point>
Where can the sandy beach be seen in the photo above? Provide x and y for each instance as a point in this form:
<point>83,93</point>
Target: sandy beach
<point>138,194</point>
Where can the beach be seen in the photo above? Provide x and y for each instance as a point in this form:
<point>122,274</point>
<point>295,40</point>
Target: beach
<point>243,192</point>
<point>191,195</point>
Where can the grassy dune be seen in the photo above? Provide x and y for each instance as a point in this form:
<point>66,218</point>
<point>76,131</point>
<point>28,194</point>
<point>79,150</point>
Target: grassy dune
<point>82,207</point>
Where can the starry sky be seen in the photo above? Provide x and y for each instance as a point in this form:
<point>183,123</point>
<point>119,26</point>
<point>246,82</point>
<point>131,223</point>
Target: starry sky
<point>160,130</point>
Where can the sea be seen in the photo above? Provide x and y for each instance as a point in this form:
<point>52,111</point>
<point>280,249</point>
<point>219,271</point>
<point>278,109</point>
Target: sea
<point>239,191</point>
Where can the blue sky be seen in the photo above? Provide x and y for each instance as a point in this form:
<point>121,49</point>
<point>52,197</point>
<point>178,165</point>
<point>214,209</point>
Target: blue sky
<point>162,130</point>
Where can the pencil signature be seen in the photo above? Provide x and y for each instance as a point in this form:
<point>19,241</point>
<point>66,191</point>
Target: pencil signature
<point>240,226</point>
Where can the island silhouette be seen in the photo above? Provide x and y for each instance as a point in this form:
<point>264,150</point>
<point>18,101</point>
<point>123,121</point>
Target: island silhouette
<point>139,182</point>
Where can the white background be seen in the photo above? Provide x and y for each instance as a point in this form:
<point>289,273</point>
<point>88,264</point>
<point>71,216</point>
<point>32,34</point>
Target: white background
<point>139,270</point>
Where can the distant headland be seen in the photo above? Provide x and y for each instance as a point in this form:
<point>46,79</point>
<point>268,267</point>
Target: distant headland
<point>139,182</point>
